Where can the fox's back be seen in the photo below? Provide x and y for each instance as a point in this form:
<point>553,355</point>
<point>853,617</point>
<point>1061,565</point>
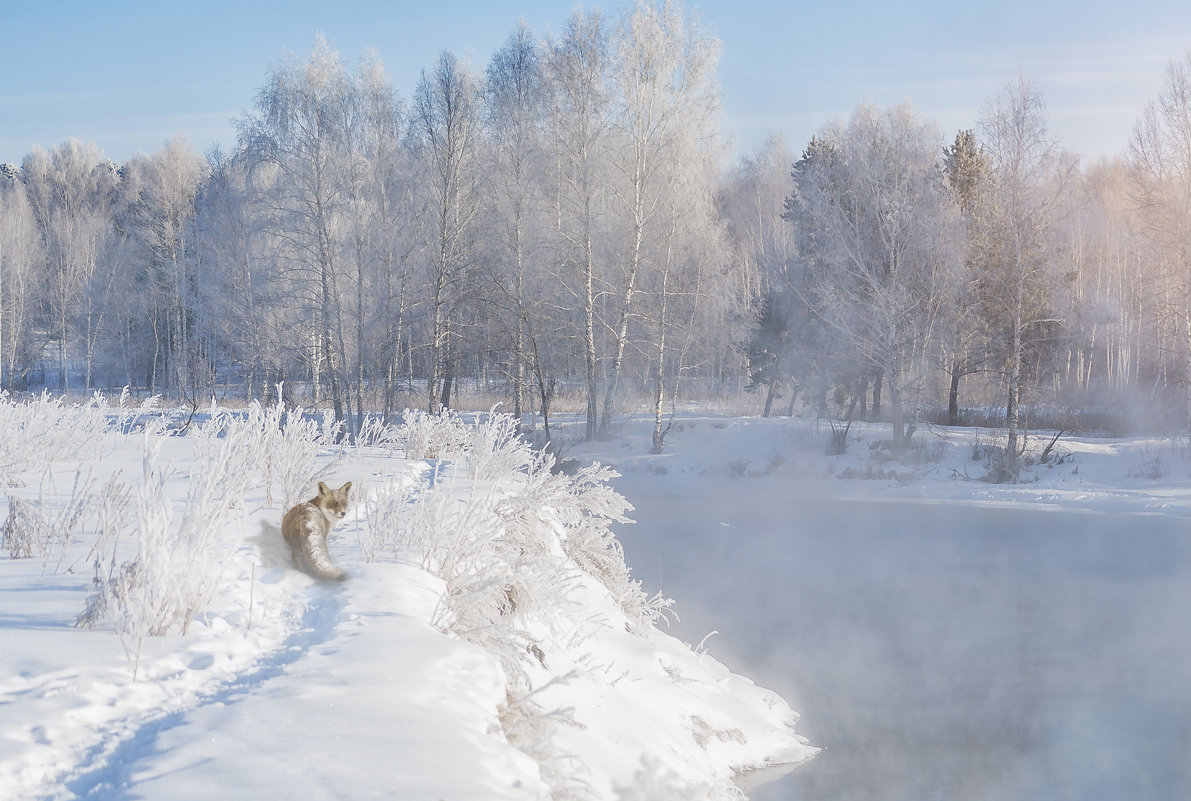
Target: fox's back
<point>302,520</point>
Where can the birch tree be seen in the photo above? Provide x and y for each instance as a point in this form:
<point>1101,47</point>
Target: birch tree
<point>667,102</point>
<point>1027,176</point>
<point>578,107</point>
<point>299,132</point>
<point>446,131</point>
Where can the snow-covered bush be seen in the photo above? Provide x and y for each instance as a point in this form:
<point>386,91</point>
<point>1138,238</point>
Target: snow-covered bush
<point>376,433</point>
<point>586,506</point>
<point>532,728</point>
<point>510,548</point>
<point>384,510</point>
<point>39,432</point>
<point>274,446</point>
<point>432,436</point>
<point>33,528</point>
<point>180,556</point>
<point>496,448</point>
<point>495,576</point>
<point>124,418</point>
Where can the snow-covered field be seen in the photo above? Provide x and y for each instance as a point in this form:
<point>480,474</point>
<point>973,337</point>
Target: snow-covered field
<point>490,642</point>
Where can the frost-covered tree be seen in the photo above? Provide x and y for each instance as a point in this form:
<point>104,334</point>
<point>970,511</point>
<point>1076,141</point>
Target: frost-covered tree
<point>71,190</point>
<point>882,238</point>
<point>514,114</point>
<point>666,106</point>
<point>297,141</point>
<point>387,234</point>
<point>1016,242</point>
<point>763,251</point>
<point>1160,174</point>
<point>22,263</point>
<point>161,220</point>
<point>575,69</point>
<point>445,128</point>
<point>966,346</point>
<point>245,290</point>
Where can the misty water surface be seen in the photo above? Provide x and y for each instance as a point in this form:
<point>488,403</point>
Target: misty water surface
<point>939,651</point>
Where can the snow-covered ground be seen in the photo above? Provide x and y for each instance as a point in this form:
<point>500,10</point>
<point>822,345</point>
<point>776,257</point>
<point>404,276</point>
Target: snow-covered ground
<point>525,672</point>
<point>489,643</point>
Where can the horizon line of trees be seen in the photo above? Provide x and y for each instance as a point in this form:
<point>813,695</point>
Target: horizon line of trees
<point>562,222</point>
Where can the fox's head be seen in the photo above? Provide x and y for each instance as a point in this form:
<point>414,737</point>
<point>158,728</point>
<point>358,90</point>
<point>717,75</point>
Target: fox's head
<point>333,503</point>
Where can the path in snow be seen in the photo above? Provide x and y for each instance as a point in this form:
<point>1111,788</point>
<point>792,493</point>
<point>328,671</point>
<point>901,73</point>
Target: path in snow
<point>316,720</point>
<point>109,767</point>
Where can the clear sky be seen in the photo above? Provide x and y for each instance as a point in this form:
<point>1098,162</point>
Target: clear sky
<point>129,75</point>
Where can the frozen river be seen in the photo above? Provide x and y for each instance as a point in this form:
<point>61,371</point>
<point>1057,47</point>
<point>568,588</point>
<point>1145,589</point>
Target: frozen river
<point>939,650</point>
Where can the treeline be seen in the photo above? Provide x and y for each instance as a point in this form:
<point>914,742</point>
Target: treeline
<point>561,222</point>
<point>909,271</point>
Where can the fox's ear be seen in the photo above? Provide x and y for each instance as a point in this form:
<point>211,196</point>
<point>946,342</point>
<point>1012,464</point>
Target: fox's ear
<point>346,488</point>
<point>322,489</point>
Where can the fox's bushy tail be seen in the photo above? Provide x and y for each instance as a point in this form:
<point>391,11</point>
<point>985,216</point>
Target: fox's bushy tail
<point>317,561</point>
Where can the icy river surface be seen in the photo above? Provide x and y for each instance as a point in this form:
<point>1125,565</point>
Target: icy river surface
<point>945,650</point>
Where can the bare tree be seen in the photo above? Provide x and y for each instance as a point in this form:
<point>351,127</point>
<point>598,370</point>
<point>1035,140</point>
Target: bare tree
<point>446,130</point>
<point>576,68</point>
<point>667,102</point>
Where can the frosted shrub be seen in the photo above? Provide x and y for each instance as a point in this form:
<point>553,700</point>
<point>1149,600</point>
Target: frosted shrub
<point>534,730</point>
<point>34,529</point>
<point>496,450</point>
<point>273,446</point>
<point>384,510</point>
<point>180,560</point>
<point>237,448</point>
<point>493,578</point>
<point>586,506</point>
<point>429,436</point>
<point>124,418</point>
<point>37,433</point>
<point>376,433</point>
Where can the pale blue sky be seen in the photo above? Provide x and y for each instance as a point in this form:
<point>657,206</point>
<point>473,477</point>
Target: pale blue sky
<point>129,75</point>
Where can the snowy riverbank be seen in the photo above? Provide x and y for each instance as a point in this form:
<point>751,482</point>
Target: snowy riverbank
<point>489,644</point>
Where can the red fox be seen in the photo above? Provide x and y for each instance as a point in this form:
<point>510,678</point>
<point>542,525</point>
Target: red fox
<point>306,526</point>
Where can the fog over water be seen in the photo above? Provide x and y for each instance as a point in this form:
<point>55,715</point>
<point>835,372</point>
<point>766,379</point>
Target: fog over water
<point>939,650</point>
